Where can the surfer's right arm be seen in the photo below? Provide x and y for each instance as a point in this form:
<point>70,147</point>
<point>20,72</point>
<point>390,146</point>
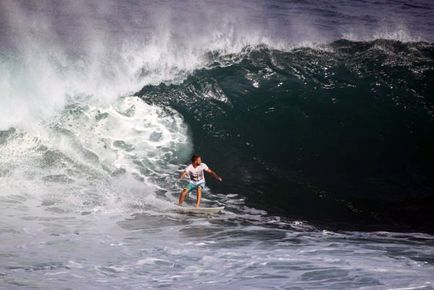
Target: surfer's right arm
<point>183,174</point>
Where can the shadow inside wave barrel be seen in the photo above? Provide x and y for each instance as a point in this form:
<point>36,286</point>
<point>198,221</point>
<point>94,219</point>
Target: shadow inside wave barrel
<point>342,135</point>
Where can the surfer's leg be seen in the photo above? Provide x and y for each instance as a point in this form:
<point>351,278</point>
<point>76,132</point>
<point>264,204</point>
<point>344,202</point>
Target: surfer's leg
<point>199,195</point>
<point>182,195</point>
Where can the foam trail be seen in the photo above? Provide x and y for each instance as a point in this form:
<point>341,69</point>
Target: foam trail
<point>92,154</point>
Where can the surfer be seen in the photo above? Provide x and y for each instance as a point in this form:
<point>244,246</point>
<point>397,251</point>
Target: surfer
<point>195,172</point>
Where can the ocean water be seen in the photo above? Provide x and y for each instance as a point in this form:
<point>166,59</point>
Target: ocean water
<point>317,114</point>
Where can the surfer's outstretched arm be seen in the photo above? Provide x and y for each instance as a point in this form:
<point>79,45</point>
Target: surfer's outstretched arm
<point>214,174</point>
<point>183,174</point>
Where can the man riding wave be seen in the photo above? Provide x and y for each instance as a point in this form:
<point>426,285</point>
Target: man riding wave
<point>195,172</point>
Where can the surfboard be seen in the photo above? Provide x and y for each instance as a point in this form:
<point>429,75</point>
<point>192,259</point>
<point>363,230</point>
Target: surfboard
<point>200,210</point>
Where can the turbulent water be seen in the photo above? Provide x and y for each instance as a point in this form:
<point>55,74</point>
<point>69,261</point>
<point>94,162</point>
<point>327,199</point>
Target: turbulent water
<point>319,117</point>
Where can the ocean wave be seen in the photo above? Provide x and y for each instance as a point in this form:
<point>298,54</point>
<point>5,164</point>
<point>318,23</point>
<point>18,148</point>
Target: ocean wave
<point>337,133</point>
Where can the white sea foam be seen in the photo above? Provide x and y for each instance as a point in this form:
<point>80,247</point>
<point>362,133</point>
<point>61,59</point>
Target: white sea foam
<point>75,161</point>
<point>49,58</point>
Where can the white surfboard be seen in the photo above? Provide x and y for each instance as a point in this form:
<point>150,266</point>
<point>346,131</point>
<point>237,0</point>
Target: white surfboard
<point>200,210</point>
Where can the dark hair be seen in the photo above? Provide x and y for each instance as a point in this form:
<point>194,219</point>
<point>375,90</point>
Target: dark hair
<point>194,157</point>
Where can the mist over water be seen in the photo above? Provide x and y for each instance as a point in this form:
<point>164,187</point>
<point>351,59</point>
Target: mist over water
<point>109,49</point>
<point>318,115</point>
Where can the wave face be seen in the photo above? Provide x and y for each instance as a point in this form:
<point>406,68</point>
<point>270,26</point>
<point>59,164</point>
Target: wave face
<point>339,133</point>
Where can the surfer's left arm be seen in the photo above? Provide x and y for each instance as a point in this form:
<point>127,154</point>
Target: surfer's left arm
<point>214,174</point>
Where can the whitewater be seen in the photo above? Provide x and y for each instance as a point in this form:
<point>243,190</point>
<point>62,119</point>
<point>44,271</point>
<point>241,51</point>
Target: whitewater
<point>102,105</point>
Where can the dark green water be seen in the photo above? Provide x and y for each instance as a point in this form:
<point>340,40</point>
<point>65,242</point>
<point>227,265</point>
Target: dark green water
<point>338,135</point>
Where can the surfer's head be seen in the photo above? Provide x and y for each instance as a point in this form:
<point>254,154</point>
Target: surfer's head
<point>196,160</point>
